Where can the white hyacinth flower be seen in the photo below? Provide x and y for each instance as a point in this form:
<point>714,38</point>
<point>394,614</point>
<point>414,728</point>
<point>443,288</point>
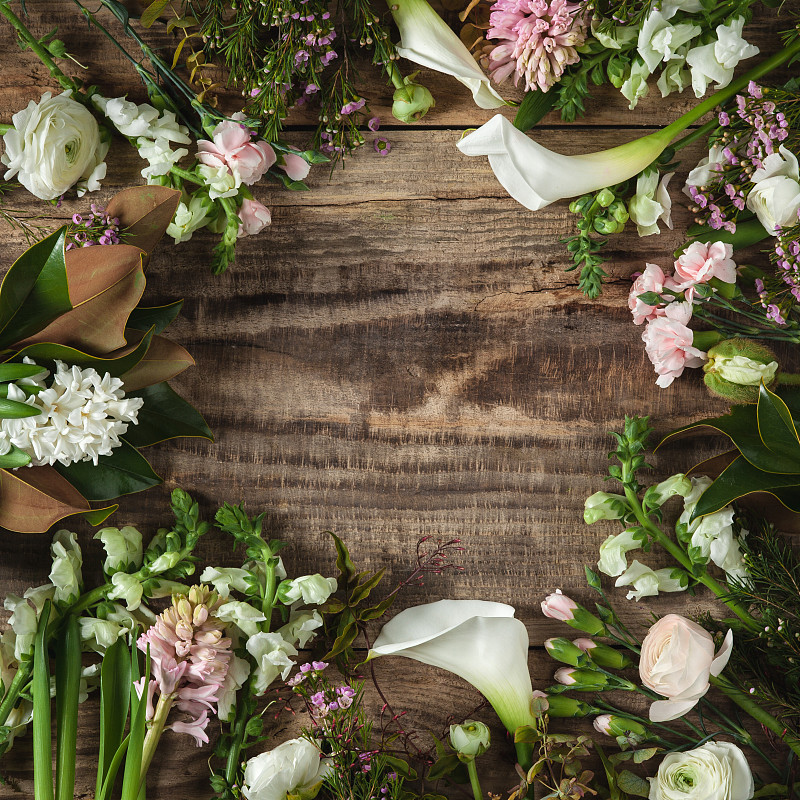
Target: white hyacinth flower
<point>83,415</point>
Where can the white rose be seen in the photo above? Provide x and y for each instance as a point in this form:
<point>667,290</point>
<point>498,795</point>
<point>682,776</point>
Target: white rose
<point>612,552</point>
<point>311,589</point>
<point>299,630</point>
<point>651,203</point>
<point>745,371</point>
<point>188,218</point>
<point>271,652</point>
<point>221,182</point>
<point>295,768</point>
<point>716,61</point>
<point>775,198</point>
<point>223,579</point>
<point>243,615</point>
<point>648,582</point>
<point>676,661</point>
<point>65,574</point>
<point>715,771</point>
<point>123,548</point>
<point>54,144</point>
<point>659,39</point>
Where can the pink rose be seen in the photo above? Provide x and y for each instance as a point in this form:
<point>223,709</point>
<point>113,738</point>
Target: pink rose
<point>702,261</point>
<point>676,661</point>
<point>254,218</point>
<point>668,342</point>
<point>233,148</point>
<point>651,280</point>
<point>559,606</point>
<point>296,167</point>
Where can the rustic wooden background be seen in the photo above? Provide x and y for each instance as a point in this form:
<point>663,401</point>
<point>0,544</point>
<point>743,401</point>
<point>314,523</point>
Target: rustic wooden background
<point>400,355</point>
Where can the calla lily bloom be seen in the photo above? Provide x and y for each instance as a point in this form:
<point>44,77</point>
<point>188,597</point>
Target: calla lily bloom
<point>479,641</point>
<point>426,39</point>
<point>536,176</point>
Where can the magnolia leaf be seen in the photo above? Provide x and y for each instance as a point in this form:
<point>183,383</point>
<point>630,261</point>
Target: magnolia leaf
<point>159,318</point>
<point>776,427</point>
<point>164,415</point>
<point>125,471</point>
<point>163,360</point>
<point>34,291</point>
<point>144,212</point>
<point>34,499</point>
<point>117,363</point>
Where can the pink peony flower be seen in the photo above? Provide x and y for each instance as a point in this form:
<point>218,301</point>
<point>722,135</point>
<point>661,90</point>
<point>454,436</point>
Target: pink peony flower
<point>702,261</point>
<point>538,40</point>
<point>233,148</point>
<point>254,218</point>
<point>668,341</point>
<point>651,280</point>
<point>296,167</point>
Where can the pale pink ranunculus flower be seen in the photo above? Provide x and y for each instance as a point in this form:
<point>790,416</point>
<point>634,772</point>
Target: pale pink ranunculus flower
<point>233,148</point>
<point>559,606</point>
<point>676,661</point>
<point>254,218</point>
<point>651,280</point>
<point>702,261</point>
<point>668,342</point>
<point>296,167</point>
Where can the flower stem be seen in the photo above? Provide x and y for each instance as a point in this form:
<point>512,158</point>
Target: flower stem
<point>39,49</point>
<point>154,732</point>
<point>243,711</point>
<point>472,769</point>
<point>524,754</point>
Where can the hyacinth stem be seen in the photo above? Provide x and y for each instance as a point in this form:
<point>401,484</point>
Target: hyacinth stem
<point>472,769</point>
<point>237,735</point>
<point>154,732</point>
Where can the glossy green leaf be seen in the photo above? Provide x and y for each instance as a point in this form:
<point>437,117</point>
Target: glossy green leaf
<point>133,763</point>
<point>13,409</point>
<point>125,471</point>
<point>15,372</point>
<point>115,681</point>
<point>533,108</point>
<point>42,734</point>
<point>156,317</point>
<point>742,478</point>
<point>34,291</point>
<point>165,415</point>
<point>68,685</point>
<point>746,234</point>
<point>776,427</point>
<point>14,458</point>
<point>117,364</point>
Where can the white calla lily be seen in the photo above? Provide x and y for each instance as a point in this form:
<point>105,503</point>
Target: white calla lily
<point>427,40</point>
<point>480,641</point>
<point>536,176</point>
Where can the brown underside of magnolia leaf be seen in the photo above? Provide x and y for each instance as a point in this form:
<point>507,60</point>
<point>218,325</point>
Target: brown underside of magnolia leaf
<point>164,360</point>
<point>144,213</point>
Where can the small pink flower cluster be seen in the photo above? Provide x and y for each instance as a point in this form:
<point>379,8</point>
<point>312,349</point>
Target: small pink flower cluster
<point>189,657</point>
<point>93,228</point>
<point>667,337</point>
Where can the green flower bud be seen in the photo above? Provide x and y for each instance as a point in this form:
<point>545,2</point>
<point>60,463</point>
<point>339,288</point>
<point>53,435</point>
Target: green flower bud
<point>602,505</point>
<point>562,706</point>
<point>582,680</point>
<point>412,101</point>
<point>581,204</point>
<point>470,740</point>
<point>736,368</point>
<point>605,197</point>
<point>605,225</point>
<point>603,655</point>
<point>619,211</point>
<point>566,652</point>
<point>613,725</point>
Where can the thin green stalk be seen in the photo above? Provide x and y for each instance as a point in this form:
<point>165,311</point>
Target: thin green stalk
<point>154,733</point>
<point>42,736</point>
<point>238,733</point>
<point>113,769</point>
<point>472,769</point>
<point>68,684</point>
<point>697,133</point>
<point>39,49</point>
<point>5,128</point>
<point>16,686</point>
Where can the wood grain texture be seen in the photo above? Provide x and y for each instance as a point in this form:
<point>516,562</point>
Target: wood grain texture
<point>400,355</point>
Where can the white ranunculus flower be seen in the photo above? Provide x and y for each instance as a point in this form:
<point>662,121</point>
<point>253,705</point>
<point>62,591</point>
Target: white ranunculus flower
<point>659,39</point>
<point>651,203</point>
<point>479,641</point>
<point>242,615</point>
<point>714,771</point>
<point>745,371</point>
<point>612,552</point>
<point>127,588</point>
<point>65,574</point>
<point>717,60</point>
<point>648,582</point>
<point>310,589</point>
<point>301,627</point>
<point>775,198</point>
<point>191,217</point>
<point>535,176</point>
<point>470,739</point>
<point>53,145</point>
<point>123,548</point>
<point>676,661</point>
<point>221,181</point>
<point>271,652</point>
<point>295,768</point>
<point>427,40</point>
<point>223,579</point>
<point>238,672</point>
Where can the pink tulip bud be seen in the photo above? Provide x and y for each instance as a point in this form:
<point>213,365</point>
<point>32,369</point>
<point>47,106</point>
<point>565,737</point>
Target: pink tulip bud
<point>564,676</point>
<point>559,606</point>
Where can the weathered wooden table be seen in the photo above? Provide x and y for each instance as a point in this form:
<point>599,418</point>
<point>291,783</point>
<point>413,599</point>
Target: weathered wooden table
<point>401,354</point>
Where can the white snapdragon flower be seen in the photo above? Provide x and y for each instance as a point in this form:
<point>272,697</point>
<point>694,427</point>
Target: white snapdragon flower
<point>648,582</point>
<point>659,40</point>
<point>651,203</point>
<point>706,169</point>
<point>165,561</point>
<point>221,181</point>
<point>127,117</point>
<point>23,621</point>
<point>635,86</point>
<point>54,145</point>
<point>223,579</point>
<point>159,155</point>
<point>717,60</point>
<point>295,769</point>
<point>238,672</point>
<point>775,198</point>
<point>99,634</point>
<point>22,713</point>
<point>271,652</point>
<point>123,548</point>
<point>82,416</point>
<point>188,218</point>
<point>301,627</point>
<point>167,127</point>
<point>65,574</point>
<point>244,616</point>
<point>127,588</point>
<point>310,589</point>
<point>613,550</point>
<point>674,77</point>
